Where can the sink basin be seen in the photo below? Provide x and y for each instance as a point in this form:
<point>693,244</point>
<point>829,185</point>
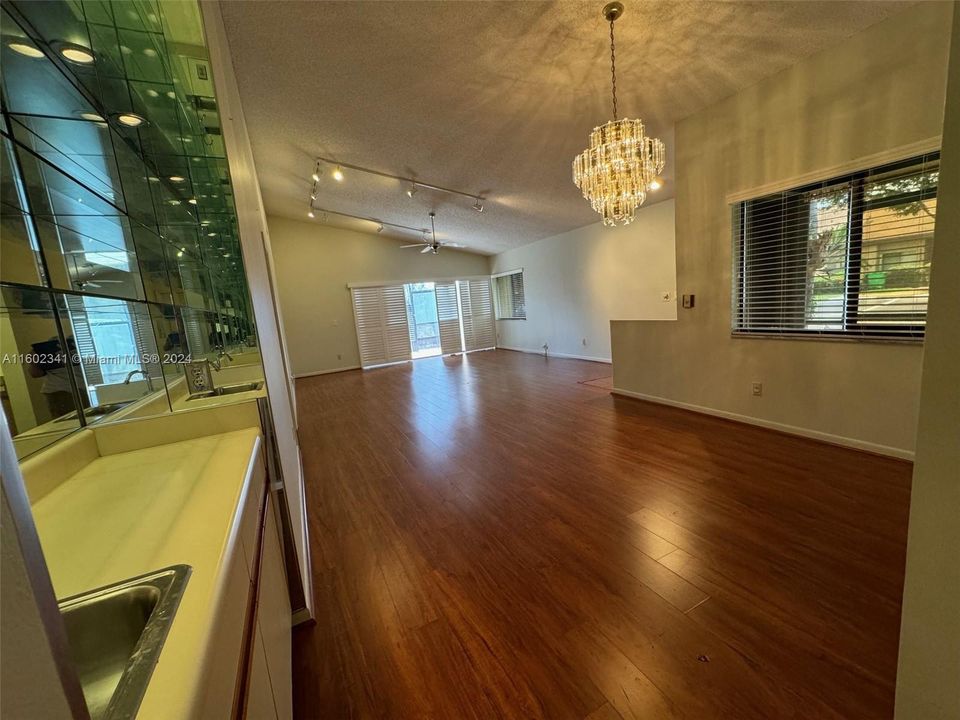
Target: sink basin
<point>115,636</point>
<point>227,390</point>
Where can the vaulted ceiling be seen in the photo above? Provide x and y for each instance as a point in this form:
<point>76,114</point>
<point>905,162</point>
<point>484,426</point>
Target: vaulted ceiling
<point>494,98</point>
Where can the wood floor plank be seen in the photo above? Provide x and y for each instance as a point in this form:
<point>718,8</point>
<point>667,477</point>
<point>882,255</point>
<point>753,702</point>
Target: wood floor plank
<point>493,539</point>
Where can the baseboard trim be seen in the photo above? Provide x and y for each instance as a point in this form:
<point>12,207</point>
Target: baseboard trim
<point>297,376</point>
<point>854,443</point>
<point>566,356</point>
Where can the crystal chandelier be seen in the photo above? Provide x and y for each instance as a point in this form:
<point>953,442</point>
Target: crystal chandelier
<point>620,165</point>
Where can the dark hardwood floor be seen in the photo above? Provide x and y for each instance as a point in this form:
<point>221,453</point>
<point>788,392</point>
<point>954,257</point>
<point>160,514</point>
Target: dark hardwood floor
<point>492,538</point>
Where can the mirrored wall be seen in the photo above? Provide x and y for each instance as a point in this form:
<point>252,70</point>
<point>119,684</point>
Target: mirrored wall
<point>120,265</point>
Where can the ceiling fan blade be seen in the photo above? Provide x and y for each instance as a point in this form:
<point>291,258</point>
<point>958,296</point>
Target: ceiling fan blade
<point>410,246</point>
<point>427,249</point>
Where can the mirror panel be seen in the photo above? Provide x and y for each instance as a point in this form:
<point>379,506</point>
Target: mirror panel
<point>127,233</point>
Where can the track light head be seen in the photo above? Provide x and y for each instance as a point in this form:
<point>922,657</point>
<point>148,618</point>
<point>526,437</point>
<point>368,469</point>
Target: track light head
<point>338,174</point>
<point>316,177</point>
<point>310,214</point>
<point>478,206</point>
<point>412,190</point>
<point>380,227</point>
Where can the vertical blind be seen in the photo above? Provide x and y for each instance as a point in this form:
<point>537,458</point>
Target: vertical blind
<point>381,319</point>
<point>847,256</point>
<point>464,317</point>
<point>476,307</point>
<point>448,317</point>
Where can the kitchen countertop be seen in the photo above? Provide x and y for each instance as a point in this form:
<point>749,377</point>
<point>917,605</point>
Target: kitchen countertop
<point>130,513</point>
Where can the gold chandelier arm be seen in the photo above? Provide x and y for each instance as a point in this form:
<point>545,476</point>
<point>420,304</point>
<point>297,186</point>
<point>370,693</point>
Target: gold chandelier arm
<point>613,70</point>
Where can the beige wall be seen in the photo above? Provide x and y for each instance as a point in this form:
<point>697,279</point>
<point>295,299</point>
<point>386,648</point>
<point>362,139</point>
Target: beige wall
<point>314,263</point>
<point>928,680</point>
<point>576,282</point>
<point>879,90</point>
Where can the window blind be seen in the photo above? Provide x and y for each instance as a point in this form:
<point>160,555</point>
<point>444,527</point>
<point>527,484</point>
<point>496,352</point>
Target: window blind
<point>476,307</point>
<point>448,317</point>
<point>848,256</point>
<point>380,314</point>
<point>510,304</point>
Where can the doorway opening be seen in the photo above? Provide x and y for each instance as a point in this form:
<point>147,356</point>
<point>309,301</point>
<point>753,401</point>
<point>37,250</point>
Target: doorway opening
<point>423,321</point>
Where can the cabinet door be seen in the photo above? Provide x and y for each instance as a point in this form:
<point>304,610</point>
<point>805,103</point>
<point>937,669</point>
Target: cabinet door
<point>259,704</point>
<point>274,616</point>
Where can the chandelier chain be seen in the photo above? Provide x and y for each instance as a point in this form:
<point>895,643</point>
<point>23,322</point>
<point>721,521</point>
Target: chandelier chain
<point>613,70</point>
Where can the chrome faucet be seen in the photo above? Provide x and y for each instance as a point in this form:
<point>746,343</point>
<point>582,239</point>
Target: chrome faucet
<point>136,372</point>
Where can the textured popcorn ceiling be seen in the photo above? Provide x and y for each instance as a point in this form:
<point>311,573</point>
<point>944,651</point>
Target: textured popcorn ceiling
<point>490,97</point>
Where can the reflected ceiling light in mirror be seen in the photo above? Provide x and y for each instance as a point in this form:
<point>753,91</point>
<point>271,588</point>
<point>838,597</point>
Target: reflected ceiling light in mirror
<point>176,178</point>
<point>656,183</point>
<point>192,201</point>
<point>77,54</point>
<point>130,120</point>
<point>25,48</point>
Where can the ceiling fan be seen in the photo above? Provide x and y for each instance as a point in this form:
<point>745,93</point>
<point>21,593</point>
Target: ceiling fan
<point>433,245</point>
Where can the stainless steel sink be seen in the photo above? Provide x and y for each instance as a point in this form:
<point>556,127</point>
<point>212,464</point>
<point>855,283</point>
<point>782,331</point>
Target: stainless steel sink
<point>115,636</point>
<point>227,390</point>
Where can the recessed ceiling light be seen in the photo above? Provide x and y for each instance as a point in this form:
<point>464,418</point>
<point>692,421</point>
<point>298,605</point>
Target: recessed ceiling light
<point>153,93</point>
<point>211,234</point>
<point>150,52</point>
<point>130,120</point>
<point>310,214</point>
<point>180,253</point>
<point>338,174</point>
<point>74,53</point>
<point>176,178</point>
<point>192,201</point>
<point>25,48</point>
<point>171,94</point>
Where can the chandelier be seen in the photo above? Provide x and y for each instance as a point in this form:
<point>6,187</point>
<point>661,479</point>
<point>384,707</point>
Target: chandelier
<point>622,163</point>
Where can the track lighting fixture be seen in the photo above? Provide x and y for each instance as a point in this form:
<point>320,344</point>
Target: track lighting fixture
<point>130,120</point>
<point>310,214</point>
<point>478,206</point>
<point>26,49</point>
<point>72,52</point>
<point>380,228</point>
<point>412,190</point>
<point>338,174</point>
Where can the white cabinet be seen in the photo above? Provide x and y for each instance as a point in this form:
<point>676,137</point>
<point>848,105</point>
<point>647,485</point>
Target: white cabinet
<point>270,682</point>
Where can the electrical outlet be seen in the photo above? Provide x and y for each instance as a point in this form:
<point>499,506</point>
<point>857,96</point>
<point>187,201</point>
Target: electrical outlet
<point>688,301</point>
<point>757,388</point>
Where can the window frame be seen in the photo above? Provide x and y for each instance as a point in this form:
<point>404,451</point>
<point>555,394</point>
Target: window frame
<point>854,329</point>
<point>496,294</point>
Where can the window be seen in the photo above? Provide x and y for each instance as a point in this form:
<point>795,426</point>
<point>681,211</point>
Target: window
<point>509,294</point>
<point>846,257</point>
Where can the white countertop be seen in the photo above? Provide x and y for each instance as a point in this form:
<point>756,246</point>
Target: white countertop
<point>130,513</point>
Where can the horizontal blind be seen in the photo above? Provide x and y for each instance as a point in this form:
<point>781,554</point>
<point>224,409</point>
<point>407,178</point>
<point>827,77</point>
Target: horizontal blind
<point>448,317</point>
<point>476,304</point>
<point>510,297</point>
<point>380,314</point>
<point>847,256</point>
